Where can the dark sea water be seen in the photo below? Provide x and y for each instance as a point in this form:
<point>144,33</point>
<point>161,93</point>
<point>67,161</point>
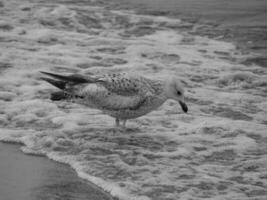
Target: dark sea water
<point>241,11</point>
<point>243,22</point>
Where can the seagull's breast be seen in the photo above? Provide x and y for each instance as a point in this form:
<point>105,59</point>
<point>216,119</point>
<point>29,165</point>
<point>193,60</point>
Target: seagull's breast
<point>148,105</point>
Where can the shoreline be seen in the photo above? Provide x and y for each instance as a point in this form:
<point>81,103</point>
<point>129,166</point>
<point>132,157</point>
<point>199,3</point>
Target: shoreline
<point>40,177</point>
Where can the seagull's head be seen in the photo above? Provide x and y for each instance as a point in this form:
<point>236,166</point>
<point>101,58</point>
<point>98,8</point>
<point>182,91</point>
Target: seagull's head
<point>174,90</point>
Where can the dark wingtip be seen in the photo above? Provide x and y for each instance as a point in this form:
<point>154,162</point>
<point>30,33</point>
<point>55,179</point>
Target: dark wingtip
<point>46,73</point>
<point>57,76</point>
<point>74,78</point>
<point>59,84</point>
<point>57,96</point>
<point>49,74</point>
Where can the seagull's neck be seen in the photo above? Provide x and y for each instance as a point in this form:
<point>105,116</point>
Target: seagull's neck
<point>167,88</point>
<point>157,85</point>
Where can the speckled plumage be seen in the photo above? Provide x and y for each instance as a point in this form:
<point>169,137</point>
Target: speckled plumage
<point>121,95</point>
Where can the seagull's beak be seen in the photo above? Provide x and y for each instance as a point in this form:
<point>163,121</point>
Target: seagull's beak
<point>184,106</point>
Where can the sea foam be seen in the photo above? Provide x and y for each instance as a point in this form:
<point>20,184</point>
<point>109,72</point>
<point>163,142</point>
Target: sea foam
<point>207,153</point>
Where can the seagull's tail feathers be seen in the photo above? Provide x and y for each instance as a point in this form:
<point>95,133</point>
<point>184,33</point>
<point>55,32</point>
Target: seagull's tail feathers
<point>58,83</point>
<point>69,85</point>
<point>60,95</point>
<point>72,79</point>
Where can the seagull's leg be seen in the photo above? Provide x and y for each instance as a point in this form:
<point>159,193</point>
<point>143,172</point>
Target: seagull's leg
<point>124,123</point>
<point>117,121</point>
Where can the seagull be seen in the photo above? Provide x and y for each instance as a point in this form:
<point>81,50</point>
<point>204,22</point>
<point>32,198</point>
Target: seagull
<point>120,95</point>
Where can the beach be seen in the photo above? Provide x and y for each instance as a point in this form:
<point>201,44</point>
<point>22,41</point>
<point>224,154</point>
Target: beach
<point>28,177</point>
<point>215,151</point>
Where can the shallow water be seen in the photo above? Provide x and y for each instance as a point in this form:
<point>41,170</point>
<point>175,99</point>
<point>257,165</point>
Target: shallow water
<point>217,150</point>
<point>243,12</point>
<point>240,21</point>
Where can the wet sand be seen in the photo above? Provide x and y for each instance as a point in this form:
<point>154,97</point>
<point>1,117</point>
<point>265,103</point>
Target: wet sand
<point>28,177</point>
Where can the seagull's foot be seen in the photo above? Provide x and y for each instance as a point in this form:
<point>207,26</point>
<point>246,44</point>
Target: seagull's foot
<point>124,123</point>
<point>117,122</point>
<point>120,127</point>
<point>123,128</point>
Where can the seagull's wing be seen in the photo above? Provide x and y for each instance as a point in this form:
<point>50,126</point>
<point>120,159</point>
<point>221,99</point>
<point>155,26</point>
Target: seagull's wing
<point>123,84</point>
<point>110,91</point>
<point>118,91</point>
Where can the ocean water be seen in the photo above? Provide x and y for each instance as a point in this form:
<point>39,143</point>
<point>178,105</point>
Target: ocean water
<point>216,151</point>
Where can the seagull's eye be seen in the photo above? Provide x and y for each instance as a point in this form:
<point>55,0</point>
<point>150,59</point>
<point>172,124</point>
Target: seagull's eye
<point>179,93</point>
